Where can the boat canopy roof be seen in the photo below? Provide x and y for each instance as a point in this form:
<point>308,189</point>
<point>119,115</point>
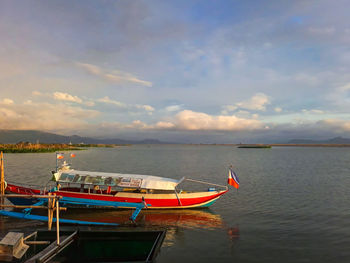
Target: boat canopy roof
<point>116,179</point>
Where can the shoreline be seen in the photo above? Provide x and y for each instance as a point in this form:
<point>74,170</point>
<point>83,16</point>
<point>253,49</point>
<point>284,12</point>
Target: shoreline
<point>48,147</point>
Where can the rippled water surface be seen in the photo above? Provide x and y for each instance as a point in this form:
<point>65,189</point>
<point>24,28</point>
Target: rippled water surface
<point>293,204</point>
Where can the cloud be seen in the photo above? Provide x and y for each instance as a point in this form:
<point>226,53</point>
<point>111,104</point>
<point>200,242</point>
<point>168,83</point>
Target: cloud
<point>137,124</point>
<point>340,97</point>
<point>66,97</point>
<point>228,108</point>
<point>258,103</point>
<point>107,100</point>
<point>114,76</point>
<point>190,120</point>
<point>122,105</point>
<point>37,93</point>
<point>278,109</point>
<point>187,120</point>
<point>44,116</point>
<point>7,101</point>
<point>164,125</point>
<point>322,31</point>
<point>174,108</point>
<point>145,107</point>
<point>344,88</point>
<point>313,111</point>
<point>336,124</point>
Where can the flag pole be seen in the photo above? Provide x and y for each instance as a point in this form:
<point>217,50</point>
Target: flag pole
<point>56,163</point>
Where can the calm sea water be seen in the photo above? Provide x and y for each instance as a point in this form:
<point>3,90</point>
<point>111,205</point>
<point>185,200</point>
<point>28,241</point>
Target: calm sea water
<point>293,204</point>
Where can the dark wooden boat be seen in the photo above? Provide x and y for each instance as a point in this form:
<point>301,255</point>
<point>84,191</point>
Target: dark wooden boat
<point>97,246</point>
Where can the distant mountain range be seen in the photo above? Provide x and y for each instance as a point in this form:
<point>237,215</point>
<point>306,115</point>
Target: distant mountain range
<point>33,136</point>
<point>15,136</point>
<point>336,140</point>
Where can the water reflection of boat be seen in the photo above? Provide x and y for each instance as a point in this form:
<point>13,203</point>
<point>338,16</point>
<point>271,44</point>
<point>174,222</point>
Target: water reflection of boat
<point>179,218</point>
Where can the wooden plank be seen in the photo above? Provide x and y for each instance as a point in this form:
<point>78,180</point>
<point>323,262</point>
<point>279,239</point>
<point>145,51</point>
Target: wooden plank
<point>10,242</point>
<point>20,251</point>
<point>37,242</point>
<point>12,245</point>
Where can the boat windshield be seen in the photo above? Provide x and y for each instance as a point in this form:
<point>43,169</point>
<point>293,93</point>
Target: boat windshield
<point>114,179</point>
<point>86,179</point>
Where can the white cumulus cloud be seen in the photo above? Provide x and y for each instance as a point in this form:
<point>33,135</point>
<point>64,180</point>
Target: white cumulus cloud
<point>44,116</point>
<point>66,97</point>
<point>190,120</point>
<point>258,103</point>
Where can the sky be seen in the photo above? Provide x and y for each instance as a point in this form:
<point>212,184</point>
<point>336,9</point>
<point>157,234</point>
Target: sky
<point>181,71</point>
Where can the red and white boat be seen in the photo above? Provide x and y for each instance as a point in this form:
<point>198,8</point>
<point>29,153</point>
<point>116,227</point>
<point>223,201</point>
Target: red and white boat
<point>99,189</point>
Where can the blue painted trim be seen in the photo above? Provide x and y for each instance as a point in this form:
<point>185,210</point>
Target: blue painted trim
<point>82,201</point>
<point>44,218</point>
<point>29,210</point>
<point>135,214</point>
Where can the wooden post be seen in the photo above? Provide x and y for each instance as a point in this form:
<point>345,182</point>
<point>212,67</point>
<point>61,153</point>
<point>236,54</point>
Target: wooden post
<point>2,178</point>
<point>57,220</point>
<point>49,213</point>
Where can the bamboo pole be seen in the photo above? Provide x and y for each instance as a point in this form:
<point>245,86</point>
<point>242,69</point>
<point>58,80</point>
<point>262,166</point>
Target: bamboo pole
<point>57,220</point>
<point>31,235</point>
<point>32,196</point>
<point>49,214</point>
<point>30,206</point>
<point>2,178</point>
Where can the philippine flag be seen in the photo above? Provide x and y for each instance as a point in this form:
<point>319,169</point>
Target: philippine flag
<point>233,179</point>
<point>60,156</point>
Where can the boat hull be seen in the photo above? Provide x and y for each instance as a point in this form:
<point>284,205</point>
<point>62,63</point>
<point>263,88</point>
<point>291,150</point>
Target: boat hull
<point>153,201</point>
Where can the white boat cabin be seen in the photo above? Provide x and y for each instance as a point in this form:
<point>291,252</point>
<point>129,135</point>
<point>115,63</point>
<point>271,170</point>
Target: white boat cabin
<point>115,180</point>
